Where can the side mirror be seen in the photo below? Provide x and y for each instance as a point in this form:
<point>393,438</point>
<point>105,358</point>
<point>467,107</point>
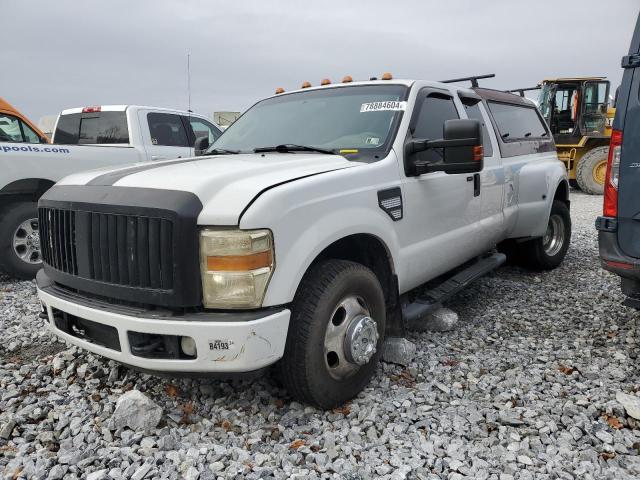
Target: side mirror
<point>201,144</point>
<point>461,145</point>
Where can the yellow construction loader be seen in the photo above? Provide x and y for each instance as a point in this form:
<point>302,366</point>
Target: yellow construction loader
<point>579,114</point>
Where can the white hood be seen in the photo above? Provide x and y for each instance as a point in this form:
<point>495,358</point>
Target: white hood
<point>225,184</point>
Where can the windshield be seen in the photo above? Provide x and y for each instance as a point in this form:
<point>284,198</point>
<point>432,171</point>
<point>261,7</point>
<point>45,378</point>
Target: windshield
<point>359,121</point>
<point>544,100</point>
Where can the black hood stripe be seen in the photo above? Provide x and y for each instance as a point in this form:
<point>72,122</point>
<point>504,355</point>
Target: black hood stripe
<point>283,183</point>
<point>108,179</point>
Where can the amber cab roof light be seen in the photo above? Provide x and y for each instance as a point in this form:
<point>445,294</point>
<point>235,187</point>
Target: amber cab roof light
<point>306,85</point>
<point>279,90</point>
<point>386,76</point>
<point>325,81</point>
<point>347,79</point>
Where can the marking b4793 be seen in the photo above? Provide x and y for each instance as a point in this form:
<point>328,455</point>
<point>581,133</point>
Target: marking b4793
<point>220,344</point>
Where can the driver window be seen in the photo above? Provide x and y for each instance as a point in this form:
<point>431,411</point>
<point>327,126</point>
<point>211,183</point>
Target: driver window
<point>434,111</point>
<point>203,129</point>
<point>29,135</point>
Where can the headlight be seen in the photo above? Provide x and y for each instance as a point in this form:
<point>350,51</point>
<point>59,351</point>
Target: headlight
<point>236,266</point>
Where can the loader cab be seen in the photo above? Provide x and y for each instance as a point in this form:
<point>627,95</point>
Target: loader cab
<point>575,107</point>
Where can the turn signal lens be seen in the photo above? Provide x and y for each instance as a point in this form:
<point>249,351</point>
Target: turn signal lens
<point>236,266</point>
<point>306,85</point>
<point>478,153</point>
<point>239,263</point>
<point>386,76</point>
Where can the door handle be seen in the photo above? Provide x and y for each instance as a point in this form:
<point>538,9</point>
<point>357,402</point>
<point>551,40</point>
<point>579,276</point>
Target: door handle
<point>476,185</point>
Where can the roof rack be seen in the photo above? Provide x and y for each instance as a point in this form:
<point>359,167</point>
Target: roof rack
<point>473,79</point>
<point>522,90</point>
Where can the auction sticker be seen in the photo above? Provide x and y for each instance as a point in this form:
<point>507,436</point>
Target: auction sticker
<point>390,105</point>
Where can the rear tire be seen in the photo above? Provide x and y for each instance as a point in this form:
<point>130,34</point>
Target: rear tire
<point>334,299</point>
<point>20,240</point>
<point>573,183</point>
<point>591,169</point>
<point>547,252</point>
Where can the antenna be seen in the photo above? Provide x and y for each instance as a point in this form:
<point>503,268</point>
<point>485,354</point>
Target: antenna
<point>192,149</point>
<point>474,79</point>
<point>189,82</point>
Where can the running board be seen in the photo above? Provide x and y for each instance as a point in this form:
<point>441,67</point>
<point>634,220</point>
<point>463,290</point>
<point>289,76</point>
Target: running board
<point>432,299</point>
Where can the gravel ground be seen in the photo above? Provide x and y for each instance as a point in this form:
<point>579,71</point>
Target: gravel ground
<point>524,387</point>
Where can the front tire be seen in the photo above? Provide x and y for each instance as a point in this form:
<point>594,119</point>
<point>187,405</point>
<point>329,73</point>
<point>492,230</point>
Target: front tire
<point>591,170</point>
<point>547,252</point>
<point>20,254</point>
<point>335,334</point>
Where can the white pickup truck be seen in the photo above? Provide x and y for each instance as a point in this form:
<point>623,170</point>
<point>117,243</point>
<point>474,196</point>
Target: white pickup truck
<point>84,138</point>
<point>319,223</point>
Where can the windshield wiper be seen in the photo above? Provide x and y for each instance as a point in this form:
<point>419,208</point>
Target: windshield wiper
<point>221,151</point>
<point>290,147</point>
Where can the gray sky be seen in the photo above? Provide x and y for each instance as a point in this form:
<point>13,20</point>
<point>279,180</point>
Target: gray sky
<point>68,53</point>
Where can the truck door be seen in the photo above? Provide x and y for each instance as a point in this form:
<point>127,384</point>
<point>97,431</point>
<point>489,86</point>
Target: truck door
<point>441,211</point>
<point>164,135</point>
<point>627,121</point>
<point>491,178</point>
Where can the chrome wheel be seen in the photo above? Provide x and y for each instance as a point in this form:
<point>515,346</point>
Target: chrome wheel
<point>26,242</point>
<point>553,239</point>
<point>351,338</point>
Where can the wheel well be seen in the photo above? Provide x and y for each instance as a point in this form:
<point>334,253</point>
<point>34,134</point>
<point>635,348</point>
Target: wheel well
<point>562,193</point>
<point>29,188</point>
<point>369,251</point>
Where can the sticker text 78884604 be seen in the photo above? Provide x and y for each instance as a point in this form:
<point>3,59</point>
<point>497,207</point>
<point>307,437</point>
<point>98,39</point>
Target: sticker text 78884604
<point>390,105</point>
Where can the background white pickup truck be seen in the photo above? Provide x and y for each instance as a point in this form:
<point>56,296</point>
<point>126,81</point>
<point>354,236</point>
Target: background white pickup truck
<point>84,139</point>
<point>318,224</point>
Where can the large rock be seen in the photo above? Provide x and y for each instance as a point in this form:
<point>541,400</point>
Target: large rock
<point>6,428</point>
<point>398,350</point>
<point>136,411</point>
<point>631,404</point>
<point>98,475</point>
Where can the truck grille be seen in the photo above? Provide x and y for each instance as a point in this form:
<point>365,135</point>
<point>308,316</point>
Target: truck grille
<point>127,244</point>
<point>57,239</point>
<point>129,250</point>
